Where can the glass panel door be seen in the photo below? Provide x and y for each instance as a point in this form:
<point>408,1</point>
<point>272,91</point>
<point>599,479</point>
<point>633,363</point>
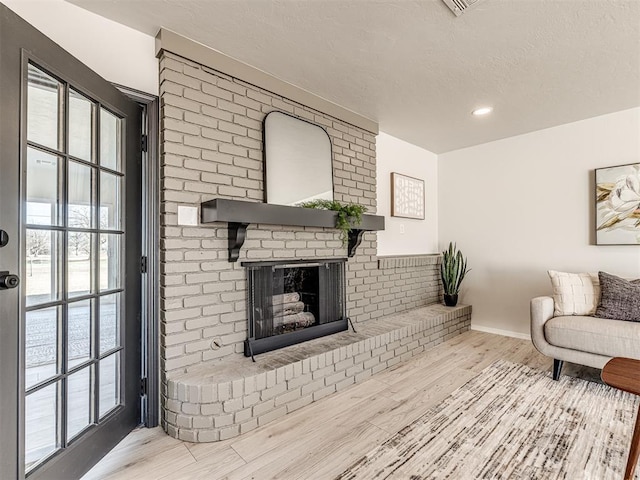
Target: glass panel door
<point>74,296</point>
<point>70,248</point>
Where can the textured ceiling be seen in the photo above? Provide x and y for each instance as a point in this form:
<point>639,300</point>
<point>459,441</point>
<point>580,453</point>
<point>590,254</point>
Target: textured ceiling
<point>416,68</point>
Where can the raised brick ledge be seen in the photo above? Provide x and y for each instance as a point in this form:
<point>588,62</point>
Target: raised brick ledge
<point>224,399</point>
<point>404,261</point>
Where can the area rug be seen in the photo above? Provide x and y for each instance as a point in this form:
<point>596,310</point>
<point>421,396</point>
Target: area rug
<point>511,422</point>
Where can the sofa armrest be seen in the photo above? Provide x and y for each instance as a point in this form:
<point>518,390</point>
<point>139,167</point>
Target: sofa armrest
<point>541,312</point>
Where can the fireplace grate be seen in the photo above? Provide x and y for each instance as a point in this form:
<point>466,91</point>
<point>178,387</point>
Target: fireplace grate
<point>294,301</point>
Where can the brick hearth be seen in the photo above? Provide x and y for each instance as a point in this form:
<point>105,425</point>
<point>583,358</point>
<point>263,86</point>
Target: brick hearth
<point>227,398</point>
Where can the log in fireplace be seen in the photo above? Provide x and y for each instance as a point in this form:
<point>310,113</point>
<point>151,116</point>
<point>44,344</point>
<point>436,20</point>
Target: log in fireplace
<point>292,301</point>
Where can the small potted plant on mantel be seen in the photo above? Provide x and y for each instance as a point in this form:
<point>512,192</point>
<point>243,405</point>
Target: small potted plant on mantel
<point>346,214</point>
<point>452,271</point>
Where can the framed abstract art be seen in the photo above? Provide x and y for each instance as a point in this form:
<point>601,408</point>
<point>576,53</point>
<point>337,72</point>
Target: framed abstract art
<point>407,196</point>
<point>618,205</point>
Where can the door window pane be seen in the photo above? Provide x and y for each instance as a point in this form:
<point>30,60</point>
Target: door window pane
<point>78,332</point>
<point>109,322</point>
<point>41,345</point>
<point>78,401</point>
<point>79,263</point>
<point>110,201</point>
<point>109,383</point>
<point>42,188</point>
<point>80,207</point>
<point>41,415</point>
<point>42,268</point>
<point>110,140</point>
<point>43,108</point>
<point>110,261</point>
<point>80,126</point>
<point>74,184</point>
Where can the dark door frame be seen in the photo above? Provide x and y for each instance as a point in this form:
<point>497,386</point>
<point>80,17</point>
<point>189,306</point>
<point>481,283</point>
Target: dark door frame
<point>150,267</point>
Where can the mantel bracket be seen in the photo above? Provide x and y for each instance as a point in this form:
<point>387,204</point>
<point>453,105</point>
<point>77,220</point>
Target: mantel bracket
<point>237,236</point>
<point>355,239</point>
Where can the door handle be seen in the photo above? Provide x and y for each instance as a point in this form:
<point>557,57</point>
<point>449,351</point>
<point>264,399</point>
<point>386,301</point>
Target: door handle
<point>8,280</point>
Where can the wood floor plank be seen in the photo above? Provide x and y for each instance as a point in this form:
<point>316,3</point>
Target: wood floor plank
<point>322,439</point>
<point>422,379</point>
<point>449,354</point>
<point>484,354</point>
<point>334,457</point>
<point>301,462</point>
<point>412,407</point>
<point>282,433</point>
<point>212,466</point>
<point>203,451</point>
<point>300,442</point>
<point>129,457</point>
<point>125,465</point>
<point>408,372</point>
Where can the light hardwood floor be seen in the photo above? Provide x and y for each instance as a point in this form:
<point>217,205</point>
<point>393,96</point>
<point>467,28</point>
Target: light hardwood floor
<point>322,439</point>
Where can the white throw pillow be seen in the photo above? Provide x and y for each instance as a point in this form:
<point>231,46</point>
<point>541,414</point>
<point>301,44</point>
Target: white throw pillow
<point>575,293</point>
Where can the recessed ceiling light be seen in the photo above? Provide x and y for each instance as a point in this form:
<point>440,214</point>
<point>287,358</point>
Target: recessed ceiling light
<point>478,112</point>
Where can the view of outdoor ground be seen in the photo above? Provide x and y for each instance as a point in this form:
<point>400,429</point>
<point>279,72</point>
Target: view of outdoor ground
<point>41,352</point>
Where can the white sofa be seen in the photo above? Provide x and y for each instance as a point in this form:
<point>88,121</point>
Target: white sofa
<point>585,340</point>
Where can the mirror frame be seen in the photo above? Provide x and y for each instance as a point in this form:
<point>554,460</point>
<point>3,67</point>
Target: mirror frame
<point>264,153</point>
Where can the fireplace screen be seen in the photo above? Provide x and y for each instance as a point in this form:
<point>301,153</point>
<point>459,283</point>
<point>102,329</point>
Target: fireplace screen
<point>294,301</point>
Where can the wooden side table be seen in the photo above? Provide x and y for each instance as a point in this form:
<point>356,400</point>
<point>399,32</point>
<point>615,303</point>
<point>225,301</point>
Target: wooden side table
<point>624,374</point>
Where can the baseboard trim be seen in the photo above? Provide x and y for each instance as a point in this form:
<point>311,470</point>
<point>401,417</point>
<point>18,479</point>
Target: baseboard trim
<point>499,331</point>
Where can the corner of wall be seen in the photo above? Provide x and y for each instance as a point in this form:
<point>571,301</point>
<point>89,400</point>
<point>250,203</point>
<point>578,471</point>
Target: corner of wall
<point>404,236</point>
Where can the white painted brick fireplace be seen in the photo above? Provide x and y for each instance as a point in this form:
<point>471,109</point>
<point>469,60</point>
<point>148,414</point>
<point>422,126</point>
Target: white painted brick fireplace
<point>211,140</point>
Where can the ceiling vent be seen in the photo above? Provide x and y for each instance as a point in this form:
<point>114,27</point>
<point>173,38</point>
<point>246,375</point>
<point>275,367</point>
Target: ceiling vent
<point>458,7</point>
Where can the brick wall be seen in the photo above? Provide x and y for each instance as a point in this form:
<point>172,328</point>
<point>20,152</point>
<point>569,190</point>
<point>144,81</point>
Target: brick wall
<point>211,140</point>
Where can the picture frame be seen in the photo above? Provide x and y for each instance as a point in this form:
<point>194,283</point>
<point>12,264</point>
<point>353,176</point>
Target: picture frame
<point>407,196</point>
<point>617,209</point>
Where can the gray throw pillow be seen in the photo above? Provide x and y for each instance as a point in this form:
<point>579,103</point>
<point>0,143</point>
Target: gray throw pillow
<point>620,298</point>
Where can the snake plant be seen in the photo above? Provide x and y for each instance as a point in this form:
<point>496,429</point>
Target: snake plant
<point>452,269</point>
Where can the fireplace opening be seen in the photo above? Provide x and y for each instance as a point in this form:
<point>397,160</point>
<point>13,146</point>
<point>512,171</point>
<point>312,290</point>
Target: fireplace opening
<point>293,301</point>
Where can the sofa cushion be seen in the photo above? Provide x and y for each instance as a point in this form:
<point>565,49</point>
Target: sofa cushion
<point>574,293</point>
<point>612,338</point>
<point>620,298</point>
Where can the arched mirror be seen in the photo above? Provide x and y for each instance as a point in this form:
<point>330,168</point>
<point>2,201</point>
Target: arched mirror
<point>298,161</point>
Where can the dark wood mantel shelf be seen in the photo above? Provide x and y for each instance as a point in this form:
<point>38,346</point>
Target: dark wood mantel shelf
<point>239,214</point>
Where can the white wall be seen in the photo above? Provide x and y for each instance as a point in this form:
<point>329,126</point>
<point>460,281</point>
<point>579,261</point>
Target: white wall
<point>523,205</point>
<point>118,53</point>
<point>420,236</point>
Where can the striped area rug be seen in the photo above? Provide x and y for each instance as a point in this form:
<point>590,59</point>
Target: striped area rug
<point>511,422</point>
